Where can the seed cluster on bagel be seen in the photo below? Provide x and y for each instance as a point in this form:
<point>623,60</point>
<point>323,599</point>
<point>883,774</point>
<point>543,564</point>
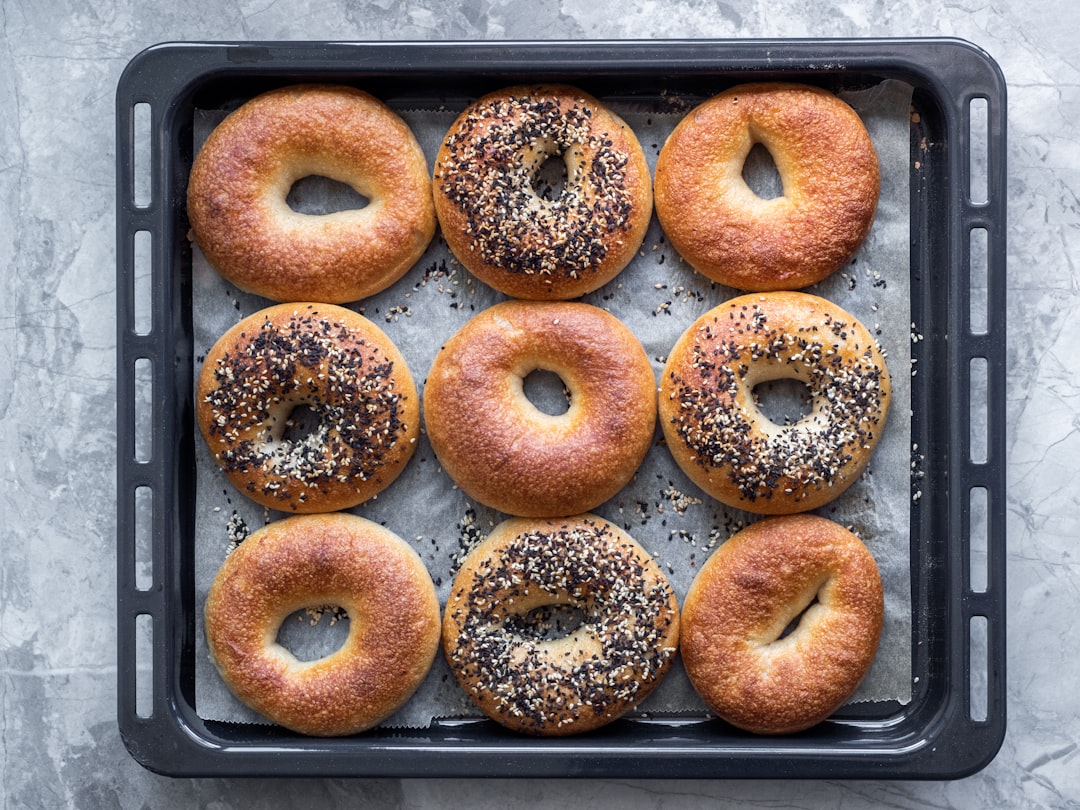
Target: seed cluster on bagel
<point>723,442</point>
<point>344,370</point>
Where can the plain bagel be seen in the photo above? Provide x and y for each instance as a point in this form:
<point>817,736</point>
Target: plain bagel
<point>244,171</point>
<point>313,561</point>
<point>830,176</point>
<point>738,654</point>
<point>503,451</point>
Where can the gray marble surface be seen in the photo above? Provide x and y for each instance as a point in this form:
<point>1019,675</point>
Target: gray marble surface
<point>59,65</point>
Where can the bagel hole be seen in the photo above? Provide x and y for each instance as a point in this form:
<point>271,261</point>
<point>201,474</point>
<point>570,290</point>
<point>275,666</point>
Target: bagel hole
<point>783,402</point>
<point>314,632</point>
<point>761,175</point>
<point>300,425</point>
<point>793,625</point>
<point>547,392</point>
<point>549,179</point>
<point>547,622</point>
<point>316,195</point>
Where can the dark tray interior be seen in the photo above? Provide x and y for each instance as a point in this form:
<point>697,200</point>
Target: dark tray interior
<point>955,721</point>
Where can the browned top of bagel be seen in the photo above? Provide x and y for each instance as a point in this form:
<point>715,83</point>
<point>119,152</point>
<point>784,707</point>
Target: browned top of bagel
<point>331,360</point>
<point>570,683</point>
<point>315,561</point>
<point>507,454</point>
<point>244,171</point>
<point>830,175</point>
<point>502,231</point>
<point>715,431</point>
<point>750,590</point>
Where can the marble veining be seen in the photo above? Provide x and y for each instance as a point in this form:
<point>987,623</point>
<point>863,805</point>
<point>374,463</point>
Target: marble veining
<point>59,65</point>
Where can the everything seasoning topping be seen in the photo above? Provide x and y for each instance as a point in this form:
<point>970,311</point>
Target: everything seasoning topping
<point>715,410</point>
<point>617,652</point>
<point>490,179</point>
<point>307,362</point>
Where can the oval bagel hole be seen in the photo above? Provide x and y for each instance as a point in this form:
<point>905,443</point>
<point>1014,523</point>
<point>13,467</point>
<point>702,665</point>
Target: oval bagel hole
<point>301,423</point>
<point>315,632</point>
<point>793,625</point>
<point>549,178</point>
<point>783,402</point>
<point>547,622</point>
<point>316,195</point>
<point>547,392</point>
<point>760,173</point>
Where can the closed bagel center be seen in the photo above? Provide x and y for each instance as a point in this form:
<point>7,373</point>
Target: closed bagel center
<point>782,623</point>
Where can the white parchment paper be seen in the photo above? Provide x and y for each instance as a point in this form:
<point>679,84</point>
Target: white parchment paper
<point>658,296</point>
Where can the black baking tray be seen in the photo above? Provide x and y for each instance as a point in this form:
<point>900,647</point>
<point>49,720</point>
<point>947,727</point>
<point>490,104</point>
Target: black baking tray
<point>955,722</point>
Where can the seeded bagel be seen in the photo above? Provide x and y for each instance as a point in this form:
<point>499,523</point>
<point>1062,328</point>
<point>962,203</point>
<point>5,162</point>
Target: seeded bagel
<point>719,437</point>
<point>339,366</point>
<point>524,242</point>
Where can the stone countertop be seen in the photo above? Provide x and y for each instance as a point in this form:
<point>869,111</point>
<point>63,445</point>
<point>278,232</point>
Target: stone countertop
<point>59,66</point>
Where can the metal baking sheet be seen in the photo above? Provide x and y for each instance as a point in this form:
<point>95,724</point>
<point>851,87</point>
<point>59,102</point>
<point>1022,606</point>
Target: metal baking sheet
<point>957,674</point>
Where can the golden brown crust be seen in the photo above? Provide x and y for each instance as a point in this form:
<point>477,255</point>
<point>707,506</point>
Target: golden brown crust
<point>244,171</point>
<point>504,452</point>
<point>566,684</point>
<point>314,561</point>
<point>745,596</point>
<point>720,439</point>
<point>497,225</point>
<point>334,362</point>
<point>724,230</point>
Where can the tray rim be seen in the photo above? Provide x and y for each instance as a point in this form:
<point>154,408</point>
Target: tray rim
<point>173,740</point>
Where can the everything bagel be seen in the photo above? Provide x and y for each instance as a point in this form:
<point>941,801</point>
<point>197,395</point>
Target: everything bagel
<point>715,430</point>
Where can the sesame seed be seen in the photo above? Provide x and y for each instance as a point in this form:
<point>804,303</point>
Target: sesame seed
<point>346,384</point>
<point>715,414</point>
<point>487,179</point>
<point>619,644</point>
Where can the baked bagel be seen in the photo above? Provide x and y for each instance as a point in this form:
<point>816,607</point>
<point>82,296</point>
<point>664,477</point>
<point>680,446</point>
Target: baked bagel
<point>349,376</point>
<point>738,654</point>
<point>244,171</point>
<point>520,241</point>
<point>503,451</point>
<point>715,430</point>
<point>567,683</point>
<point>313,561</point>
<point>830,176</point>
